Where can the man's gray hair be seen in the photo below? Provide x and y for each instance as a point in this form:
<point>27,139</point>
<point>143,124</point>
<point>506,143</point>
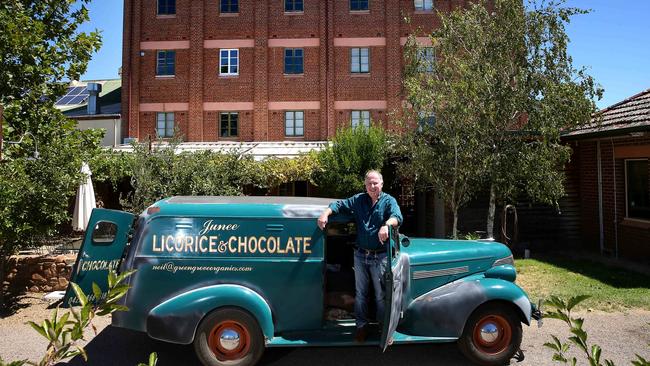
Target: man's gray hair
<point>373,171</point>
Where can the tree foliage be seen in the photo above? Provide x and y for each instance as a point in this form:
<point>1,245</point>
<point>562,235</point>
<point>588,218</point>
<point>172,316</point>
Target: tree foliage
<point>40,48</point>
<point>342,165</point>
<point>502,90</point>
<point>41,45</point>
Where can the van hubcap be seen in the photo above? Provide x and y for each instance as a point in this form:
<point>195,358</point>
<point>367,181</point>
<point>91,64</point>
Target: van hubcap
<point>492,334</point>
<point>229,340</point>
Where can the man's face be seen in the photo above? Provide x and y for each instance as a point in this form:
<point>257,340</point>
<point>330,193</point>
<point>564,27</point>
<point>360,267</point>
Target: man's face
<point>374,185</point>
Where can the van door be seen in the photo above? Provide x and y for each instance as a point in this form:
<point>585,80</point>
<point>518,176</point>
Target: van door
<point>395,280</point>
<point>103,247</point>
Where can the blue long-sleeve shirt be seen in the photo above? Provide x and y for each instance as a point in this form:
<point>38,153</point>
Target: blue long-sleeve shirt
<point>369,218</point>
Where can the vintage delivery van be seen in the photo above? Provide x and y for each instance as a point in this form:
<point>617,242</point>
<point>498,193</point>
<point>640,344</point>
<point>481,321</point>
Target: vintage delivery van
<point>233,275</point>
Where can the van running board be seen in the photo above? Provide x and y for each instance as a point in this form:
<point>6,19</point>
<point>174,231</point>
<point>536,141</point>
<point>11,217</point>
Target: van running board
<point>346,338</point>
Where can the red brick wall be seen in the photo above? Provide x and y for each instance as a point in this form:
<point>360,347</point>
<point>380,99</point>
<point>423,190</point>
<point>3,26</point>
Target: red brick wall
<point>228,88</point>
<point>165,28</point>
<point>630,237</point>
<point>326,79</point>
<point>370,86</point>
<point>164,89</point>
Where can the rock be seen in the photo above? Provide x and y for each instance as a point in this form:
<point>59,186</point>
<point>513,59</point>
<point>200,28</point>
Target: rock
<point>38,279</point>
<point>34,289</point>
<point>46,288</point>
<point>63,284</point>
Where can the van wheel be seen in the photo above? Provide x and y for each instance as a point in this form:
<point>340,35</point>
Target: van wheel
<point>492,335</point>
<point>230,337</point>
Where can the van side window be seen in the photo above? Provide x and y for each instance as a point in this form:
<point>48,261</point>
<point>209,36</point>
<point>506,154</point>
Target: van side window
<point>104,232</point>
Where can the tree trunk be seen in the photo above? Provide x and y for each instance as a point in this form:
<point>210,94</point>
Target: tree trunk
<point>454,230</point>
<point>2,280</point>
<point>490,219</point>
<point>1,124</point>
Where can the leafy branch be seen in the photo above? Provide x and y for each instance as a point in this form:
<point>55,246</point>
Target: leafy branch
<point>64,333</point>
<point>561,310</point>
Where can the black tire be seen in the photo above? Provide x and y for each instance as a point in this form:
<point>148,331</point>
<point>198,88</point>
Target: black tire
<point>507,339</point>
<point>247,350</point>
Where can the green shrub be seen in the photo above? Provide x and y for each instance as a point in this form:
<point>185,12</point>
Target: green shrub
<point>342,165</point>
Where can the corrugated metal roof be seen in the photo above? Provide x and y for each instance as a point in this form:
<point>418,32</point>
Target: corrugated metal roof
<point>631,114</point>
<point>259,150</point>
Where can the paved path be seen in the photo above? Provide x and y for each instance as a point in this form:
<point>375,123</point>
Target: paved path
<point>620,334</point>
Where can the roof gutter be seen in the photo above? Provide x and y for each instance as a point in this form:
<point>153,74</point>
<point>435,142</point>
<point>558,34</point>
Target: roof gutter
<point>605,133</point>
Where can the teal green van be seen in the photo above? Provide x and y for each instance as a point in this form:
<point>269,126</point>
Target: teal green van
<point>234,275</point>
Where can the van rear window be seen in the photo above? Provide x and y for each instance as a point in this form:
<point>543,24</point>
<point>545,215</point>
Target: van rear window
<point>104,232</point>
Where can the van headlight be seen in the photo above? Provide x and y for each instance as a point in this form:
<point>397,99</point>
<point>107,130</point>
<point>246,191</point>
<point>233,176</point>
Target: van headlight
<point>507,260</point>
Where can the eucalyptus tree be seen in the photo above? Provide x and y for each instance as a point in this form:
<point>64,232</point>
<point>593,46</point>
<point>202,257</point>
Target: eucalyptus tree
<point>508,64</point>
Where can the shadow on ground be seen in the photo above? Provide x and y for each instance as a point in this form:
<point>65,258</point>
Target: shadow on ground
<point>611,274</point>
<point>116,346</point>
<point>12,303</point>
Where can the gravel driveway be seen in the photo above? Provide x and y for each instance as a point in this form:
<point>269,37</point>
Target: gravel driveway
<point>620,334</point>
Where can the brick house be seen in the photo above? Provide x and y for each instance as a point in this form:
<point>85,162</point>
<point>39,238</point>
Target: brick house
<point>610,170</point>
<point>265,70</point>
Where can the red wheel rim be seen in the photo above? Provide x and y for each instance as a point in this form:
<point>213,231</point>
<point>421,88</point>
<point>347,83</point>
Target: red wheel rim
<point>492,334</point>
<point>222,344</point>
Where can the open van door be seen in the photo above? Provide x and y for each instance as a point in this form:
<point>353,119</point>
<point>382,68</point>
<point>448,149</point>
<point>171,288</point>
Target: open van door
<point>396,280</point>
<point>103,247</point>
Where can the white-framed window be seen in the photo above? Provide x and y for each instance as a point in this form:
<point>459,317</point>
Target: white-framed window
<point>637,189</point>
<point>165,124</point>
<point>360,118</point>
<point>426,59</point>
<point>294,123</point>
<point>423,4</point>
<point>359,60</point>
<point>228,122</point>
<point>229,61</point>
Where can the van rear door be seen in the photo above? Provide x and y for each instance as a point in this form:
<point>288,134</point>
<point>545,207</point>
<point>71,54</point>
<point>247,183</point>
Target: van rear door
<point>102,250</point>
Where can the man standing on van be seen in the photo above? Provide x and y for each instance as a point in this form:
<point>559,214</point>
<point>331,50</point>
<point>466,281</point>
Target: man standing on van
<point>373,211</point>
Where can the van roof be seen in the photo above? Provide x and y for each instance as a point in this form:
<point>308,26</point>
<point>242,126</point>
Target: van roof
<point>241,206</point>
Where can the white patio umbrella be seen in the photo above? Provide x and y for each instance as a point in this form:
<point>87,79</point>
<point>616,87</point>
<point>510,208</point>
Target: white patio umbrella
<point>85,201</point>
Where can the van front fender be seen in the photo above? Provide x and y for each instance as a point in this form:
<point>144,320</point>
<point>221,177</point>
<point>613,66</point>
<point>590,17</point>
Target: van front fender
<point>177,319</point>
<point>442,312</point>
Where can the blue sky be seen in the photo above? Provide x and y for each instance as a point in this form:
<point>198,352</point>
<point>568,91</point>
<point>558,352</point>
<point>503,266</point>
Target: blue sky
<point>613,41</point>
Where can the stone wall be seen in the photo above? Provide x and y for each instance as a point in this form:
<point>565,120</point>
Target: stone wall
<point>37,273</point>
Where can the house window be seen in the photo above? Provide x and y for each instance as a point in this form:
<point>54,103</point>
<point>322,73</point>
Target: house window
<point>229,62</point>
<point>426,119</point>
<point>359,60</point>
<point>426,59</point>
<point>423,4</point>
<point>229,6</point>
<point>294,122</point>
<point>165,124</point>
<point>291,6</point>
<point>166,7</point>
<point>637,189</point>
<point>357,5</point>
<point>229,124</point>
<point>360,118</point>
<point>165,65</point>
<point>293,61</point>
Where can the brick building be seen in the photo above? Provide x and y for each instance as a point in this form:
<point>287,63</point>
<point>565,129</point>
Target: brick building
<point>265,70</point>
<point>610,170</point>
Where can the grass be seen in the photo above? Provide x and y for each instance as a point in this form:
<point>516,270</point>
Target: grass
<point>611,289</point>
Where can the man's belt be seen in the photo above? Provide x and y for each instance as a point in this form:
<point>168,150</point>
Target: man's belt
<point>370,251</point>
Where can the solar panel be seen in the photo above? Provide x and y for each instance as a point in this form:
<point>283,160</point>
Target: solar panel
<point>74,95</point>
